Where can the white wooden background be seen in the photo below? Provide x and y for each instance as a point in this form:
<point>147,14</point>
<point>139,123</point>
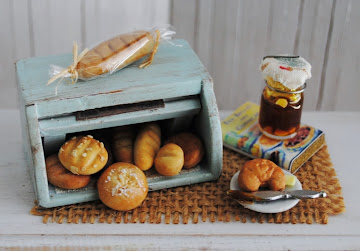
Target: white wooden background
<point>230,37</point>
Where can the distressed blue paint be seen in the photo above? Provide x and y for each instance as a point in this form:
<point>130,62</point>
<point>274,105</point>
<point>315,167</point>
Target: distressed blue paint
<point>176,75</point>
<point>176,71</point>
<point>67,124</point>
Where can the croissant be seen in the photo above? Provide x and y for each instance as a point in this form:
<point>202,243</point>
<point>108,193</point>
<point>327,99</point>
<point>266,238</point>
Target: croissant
<point>261,173</point>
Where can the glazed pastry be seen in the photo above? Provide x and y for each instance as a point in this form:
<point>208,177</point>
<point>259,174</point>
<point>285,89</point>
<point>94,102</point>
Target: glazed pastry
<point>261,173</point>
<point>83,155</point>
<point>147,144</point>
<point>169,160</point>
<point>192,147</point>
<point>122,186</point>
<point>122,143</point>
<point>59,176</point>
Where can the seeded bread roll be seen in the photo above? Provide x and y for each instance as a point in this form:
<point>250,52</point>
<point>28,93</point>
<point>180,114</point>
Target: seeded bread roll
<point>83,155</point>
<point>59,176</point>
<point>169,160</point>
<point>147,144</point>
<point>191,145</point>
<point>123,143</point>
<point>122,186</point>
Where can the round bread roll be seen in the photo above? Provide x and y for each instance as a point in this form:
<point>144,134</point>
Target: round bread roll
<point>83,155</point>
<point>259,173</point>
<point>59,176</point>
<point>122,186</point>
<point>147,144</point>
<point>192,147</point>
<point>169,160</point>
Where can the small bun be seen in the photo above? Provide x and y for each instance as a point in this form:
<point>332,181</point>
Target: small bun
<point>169,160</point>
<point>83,155</point>
<point>122,186</point>
<point>59,176</point>
<point>259,173</point>
<point>192,147</point>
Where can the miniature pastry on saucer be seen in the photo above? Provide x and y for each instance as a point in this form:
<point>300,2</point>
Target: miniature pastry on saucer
<point>258,173</point>
<point>83,155</point>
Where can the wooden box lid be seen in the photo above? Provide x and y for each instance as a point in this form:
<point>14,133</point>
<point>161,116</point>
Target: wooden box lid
<point>175,72</point>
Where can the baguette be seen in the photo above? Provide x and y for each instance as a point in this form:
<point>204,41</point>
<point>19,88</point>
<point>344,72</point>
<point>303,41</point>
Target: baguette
<point>147,144</point>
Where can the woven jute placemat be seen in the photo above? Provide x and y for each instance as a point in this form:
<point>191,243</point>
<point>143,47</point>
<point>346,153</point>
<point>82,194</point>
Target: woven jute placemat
<point>207,202</point>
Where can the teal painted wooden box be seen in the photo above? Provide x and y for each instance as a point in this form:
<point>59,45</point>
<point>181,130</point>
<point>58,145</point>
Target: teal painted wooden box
<point>176,79</point>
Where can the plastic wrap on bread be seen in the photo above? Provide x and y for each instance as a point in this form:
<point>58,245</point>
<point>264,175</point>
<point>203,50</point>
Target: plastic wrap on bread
<point>113,54</point>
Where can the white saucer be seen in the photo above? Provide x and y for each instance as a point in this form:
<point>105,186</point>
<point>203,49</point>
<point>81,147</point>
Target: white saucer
<point>269,207</point>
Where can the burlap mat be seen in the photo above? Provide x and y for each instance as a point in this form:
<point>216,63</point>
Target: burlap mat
<point>208,201</point>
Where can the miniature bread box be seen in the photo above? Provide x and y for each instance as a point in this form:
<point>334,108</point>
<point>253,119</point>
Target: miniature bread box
<point>175,90</point>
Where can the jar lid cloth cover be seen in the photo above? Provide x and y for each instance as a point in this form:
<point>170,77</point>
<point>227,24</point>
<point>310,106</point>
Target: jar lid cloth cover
<point>291,71</point>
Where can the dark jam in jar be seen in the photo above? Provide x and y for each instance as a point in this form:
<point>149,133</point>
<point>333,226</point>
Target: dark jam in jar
<point>280,113</point>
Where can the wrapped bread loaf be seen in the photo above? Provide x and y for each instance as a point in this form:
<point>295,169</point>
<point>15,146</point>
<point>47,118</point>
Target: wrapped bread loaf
<point>116,53</point>
<point>113,54</point>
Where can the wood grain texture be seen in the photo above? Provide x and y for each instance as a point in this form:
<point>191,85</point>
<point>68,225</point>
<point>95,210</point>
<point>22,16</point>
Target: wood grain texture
<point>248,54</point>
<point>224,41</point>
<point>105,19</point>
<point>311,44</point>
<point>56,24</point>
<point>8,94</point>
<point>184,15</point>
<point>341,89</point>
<point>176,72</point>
<point>203,41</point>
<point>230,38</point>
<point>348,87</point>
<point>39,28</point>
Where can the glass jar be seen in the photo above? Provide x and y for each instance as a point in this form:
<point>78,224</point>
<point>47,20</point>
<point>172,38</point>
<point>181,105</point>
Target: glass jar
<point>280,111</point>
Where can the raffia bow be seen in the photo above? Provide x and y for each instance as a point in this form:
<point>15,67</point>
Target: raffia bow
<point>72,68</point>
